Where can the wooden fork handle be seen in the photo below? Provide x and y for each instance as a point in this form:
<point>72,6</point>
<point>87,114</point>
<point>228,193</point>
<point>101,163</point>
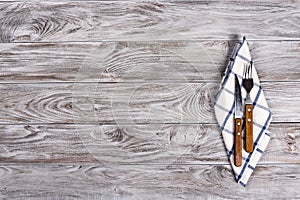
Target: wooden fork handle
<point>249,128</point>
<point>238,142</point>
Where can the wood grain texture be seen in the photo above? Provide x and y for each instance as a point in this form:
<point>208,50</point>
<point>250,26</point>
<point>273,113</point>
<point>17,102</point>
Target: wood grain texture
<point>249,128</point>
<point>147,182</point>
<point>125,103</point>
<point>142,61</point>
<point>113,99</point>
<point>151,20</point>
<point>140,144</point>
<point>238,144</point>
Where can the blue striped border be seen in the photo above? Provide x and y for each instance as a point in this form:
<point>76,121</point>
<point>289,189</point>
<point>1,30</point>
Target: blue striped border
<point>255,144</point>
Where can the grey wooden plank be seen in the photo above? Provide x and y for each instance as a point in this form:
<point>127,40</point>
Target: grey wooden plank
<point>151,20</point>
<point>146,182</point>
<point>127,103</point>
<point>141,61</point>
<point>162,144</point>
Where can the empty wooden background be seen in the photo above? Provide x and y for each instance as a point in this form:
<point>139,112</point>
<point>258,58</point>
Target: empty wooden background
<point>144,128</point>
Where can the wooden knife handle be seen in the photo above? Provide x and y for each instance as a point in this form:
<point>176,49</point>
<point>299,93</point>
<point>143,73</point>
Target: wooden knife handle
<point>238,142</point>
<point>249,128</point>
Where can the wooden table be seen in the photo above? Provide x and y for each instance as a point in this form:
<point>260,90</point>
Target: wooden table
<point>144,127</point>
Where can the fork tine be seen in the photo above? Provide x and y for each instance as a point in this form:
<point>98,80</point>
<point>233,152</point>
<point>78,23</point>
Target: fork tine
<point>251,69</point>
<point>248,71</point>
<point>245,71</point>
<point>247,65</point>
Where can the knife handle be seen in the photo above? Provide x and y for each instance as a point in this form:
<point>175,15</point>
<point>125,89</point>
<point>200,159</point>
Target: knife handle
<point>238,142</point>
<point>249,128</point>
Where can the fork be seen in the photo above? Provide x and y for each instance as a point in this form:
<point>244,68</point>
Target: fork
<point>248,85</point>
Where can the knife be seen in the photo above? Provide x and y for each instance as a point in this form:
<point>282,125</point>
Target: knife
<point>238,124</point>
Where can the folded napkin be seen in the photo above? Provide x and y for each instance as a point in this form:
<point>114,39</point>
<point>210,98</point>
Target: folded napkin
<point>224,111</point>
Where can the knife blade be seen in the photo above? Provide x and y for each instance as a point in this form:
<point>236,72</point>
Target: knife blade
<point>238,124</point>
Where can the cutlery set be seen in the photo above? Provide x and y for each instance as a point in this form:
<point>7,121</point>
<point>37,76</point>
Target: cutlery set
<point>247,83</point>
<point>240,92</point>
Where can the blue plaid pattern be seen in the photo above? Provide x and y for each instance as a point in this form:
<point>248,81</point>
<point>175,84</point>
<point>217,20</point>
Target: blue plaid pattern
<point>224,110</point>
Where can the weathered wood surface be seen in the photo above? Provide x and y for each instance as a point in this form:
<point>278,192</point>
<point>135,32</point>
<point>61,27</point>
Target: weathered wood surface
<point>151,20</point>
<point>127,103</point>
<point>134,144</point>
<point>142,61</point>
<point>135,68</point>
<point>146,182</point>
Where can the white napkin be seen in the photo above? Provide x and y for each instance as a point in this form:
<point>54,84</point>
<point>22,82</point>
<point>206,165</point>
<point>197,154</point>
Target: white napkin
<point>224,111</point>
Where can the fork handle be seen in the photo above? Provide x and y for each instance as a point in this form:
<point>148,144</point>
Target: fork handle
<point>249,128</point>
<point>238,142</point>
